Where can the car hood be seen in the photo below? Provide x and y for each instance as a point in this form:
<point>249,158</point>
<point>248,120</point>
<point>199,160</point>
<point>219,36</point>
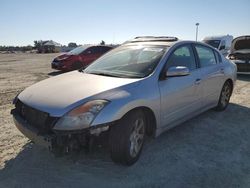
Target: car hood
<point>60,94</point>
<point>63,56</point>
<point>240,45</point>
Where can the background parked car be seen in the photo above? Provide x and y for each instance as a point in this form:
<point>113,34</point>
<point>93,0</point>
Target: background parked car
<point>222,43</point>
<point>79,57</point>
<point>240,53</point>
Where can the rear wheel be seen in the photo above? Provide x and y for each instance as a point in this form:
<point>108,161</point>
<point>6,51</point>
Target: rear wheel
<point>127,138</point>
<point>224,96</point>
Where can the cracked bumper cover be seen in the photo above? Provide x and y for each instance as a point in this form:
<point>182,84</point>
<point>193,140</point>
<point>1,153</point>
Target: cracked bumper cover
<point>50,141</point>
<point>32,133</point>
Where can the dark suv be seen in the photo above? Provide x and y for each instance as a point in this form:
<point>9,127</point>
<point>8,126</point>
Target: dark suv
<point>79,57</point>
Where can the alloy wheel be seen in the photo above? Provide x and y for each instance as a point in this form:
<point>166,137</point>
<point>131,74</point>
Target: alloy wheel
<point>136,137</point>
<point>225,94</point>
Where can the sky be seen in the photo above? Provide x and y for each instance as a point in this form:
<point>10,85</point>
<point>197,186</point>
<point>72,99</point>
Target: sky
<point>115,21</point>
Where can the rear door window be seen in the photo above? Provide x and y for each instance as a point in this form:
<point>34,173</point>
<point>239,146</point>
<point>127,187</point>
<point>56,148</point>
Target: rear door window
<point>218,57</point>
<point>205,55</point>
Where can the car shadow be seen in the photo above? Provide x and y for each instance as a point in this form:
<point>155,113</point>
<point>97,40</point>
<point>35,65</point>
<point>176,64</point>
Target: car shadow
<point>210,150</point>
<point>55,73</point>
<point>243,77</point>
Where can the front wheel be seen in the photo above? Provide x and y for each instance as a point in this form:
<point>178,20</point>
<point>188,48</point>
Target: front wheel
<point>127,138</point>
<point>224,96</point>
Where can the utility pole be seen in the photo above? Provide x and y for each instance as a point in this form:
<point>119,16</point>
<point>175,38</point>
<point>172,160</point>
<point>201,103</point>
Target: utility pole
<point>197,25</point>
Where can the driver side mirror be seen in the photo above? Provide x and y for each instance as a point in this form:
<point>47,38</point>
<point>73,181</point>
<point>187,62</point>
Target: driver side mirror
<point>177,71</point>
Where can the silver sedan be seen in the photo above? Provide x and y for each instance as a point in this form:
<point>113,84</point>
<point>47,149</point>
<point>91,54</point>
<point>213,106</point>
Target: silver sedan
<point>144,87</point>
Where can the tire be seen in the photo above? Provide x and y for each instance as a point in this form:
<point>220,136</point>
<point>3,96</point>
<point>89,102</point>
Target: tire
<point>225,95</point>
<point>77,65</point>
<point>127,138</point>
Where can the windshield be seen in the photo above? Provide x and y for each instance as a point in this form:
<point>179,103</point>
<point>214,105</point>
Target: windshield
<point>78,50</point>
<point>128,62</point>
<point>214,43</point>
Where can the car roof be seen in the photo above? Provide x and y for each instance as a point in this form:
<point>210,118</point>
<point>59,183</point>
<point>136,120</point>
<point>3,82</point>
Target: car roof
<point>89,45</point>
<point>103,46</point>
<point>154,38</point>
<point>151,40</point>
<point>159,41</point>
<point>168,44</point>
<point>155,41</point>
<point>246,37</point>
<point>218,37</point>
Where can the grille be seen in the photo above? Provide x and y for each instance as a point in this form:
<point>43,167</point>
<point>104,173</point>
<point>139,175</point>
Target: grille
<point>36,118</point>
<point>244,67</point>
<point>241,56</point>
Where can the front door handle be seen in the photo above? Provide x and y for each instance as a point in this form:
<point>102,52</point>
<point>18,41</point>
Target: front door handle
<point>197,81</point>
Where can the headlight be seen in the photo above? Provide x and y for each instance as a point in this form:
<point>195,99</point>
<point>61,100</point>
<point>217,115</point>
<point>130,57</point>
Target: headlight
<point>232,57</point>
<point>81,117</point>
<point>63,58</point>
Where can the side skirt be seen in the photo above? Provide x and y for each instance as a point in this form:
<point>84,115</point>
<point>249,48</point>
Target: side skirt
<point>171,125</point>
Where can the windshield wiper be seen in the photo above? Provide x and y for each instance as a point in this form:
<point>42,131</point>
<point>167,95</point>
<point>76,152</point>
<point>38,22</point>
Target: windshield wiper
<point>110,74</point>
<point>118,76</point>
<point>102,74</point>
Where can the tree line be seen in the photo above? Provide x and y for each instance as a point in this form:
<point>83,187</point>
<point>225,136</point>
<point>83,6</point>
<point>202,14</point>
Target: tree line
<point>16,48</point>
<point>35,47</point>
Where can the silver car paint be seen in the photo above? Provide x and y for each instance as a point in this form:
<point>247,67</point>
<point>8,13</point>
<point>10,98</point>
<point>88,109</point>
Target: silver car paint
<point>180,96</point>
<point>155,101</point>
<point>60,94</point>
<point>172,101</point>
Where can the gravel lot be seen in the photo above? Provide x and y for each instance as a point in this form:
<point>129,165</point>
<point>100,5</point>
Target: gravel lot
<point>211,150</point>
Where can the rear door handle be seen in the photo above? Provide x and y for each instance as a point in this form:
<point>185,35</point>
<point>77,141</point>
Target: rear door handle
<point>197,81</point>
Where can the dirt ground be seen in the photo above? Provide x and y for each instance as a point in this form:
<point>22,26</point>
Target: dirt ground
<point>211,150</point>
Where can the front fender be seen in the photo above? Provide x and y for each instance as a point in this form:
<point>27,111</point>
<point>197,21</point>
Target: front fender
<point>116,109</point>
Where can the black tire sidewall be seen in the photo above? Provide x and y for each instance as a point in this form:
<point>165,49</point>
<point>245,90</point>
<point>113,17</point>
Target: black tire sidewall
<point>140,115</point>
<point>220,106</point>
<point>121,135</point>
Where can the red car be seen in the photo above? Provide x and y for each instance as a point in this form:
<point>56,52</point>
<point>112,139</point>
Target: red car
<point>79,57</point>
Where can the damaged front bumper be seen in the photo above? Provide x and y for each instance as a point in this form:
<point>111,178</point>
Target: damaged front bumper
<point>59,141</point>
<point>33,133</point>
